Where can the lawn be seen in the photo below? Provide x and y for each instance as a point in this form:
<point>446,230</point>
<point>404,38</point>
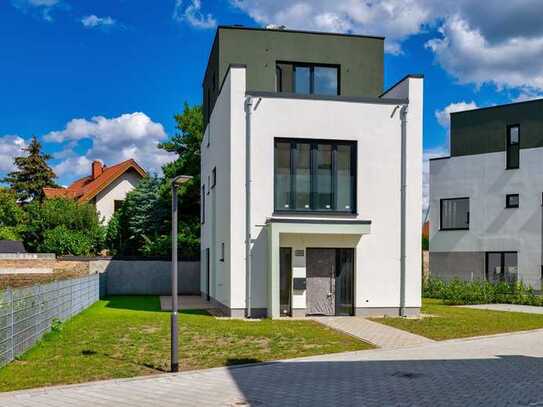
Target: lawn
<point>448,322</point>
<point>129,336</point>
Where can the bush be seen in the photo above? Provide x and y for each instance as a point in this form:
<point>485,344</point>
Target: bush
<point>56,218</point>
<point>63,241</point>
<point>457,292</point>
<point>9,233</point>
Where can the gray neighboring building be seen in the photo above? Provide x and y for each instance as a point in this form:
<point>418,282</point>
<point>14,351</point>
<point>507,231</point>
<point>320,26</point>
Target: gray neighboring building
<point>486,219</point>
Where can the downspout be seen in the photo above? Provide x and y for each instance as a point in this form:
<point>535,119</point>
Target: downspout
<point>248,239</point>
<point>403,204</point>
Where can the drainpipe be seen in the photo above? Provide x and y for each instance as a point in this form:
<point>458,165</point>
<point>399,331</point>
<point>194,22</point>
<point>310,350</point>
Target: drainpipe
<point>403,203</point>
<point>248,239</point>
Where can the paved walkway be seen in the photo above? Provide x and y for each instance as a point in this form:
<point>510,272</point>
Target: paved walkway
<point>529,309</point>
<point>503,370</point>
<point>383,336</point>
<point>184,302</point>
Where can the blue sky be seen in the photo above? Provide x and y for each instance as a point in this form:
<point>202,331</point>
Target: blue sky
<point>103,79</point>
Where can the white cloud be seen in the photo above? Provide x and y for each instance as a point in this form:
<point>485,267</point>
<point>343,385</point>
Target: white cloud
<point>93,21</point>
<point>41,8</point>
<point>397,19</point>
<point>442,151</point>
<point>489,41</point>
<point>444,116</point>
<point>131,135</point>
<point>192,14</point>
<point>10,147</point>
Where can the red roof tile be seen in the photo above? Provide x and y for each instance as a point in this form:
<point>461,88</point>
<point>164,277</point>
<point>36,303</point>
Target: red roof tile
<point>86,188</point>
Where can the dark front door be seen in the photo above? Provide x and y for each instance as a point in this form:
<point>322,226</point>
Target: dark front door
<point>320,277</point>
<point>344,291</point>
<point>285,283</point>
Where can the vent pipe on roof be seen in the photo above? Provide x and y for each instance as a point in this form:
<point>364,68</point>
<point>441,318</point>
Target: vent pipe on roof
<point>275,27</point>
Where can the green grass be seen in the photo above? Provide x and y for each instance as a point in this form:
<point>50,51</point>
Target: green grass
<point>447,322</point>
<point>129,336</point>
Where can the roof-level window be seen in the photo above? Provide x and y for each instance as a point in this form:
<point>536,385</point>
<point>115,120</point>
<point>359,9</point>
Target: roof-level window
<point>307,79</point>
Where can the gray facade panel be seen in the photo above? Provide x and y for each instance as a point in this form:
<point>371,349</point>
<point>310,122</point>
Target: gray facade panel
<point>484,130</point>
<point>361,59</point>
<point>469,266</point>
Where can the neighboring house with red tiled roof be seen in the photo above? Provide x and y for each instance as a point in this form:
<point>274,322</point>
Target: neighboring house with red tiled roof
<point>106,187</point>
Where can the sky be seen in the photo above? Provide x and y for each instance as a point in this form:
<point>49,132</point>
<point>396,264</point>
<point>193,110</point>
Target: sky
<point>103,79</point>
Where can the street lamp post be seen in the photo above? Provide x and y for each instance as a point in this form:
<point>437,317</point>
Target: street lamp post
<point>176,182</point>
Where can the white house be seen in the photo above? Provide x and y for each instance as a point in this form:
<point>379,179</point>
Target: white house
<point>486,198</point>
<point>105,187</point>
<point>302,204</point>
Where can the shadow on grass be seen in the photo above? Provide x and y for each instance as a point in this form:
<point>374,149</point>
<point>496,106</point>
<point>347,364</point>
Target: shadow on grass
<point>134,302</point>
<point>148,303</point>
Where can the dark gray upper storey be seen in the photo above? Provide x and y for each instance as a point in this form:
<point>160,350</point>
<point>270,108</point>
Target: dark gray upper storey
<point>484,130</point>
<point>359,59</point>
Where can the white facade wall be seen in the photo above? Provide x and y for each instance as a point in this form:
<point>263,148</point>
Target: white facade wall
<point>377,130</point>
<point>117,190</point>
<point>493,227</point>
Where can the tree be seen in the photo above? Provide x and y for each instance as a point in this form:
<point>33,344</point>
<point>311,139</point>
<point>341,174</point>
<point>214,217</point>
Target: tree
<point>32,173</point>
<point>63,226</point>
<point>12,216</point>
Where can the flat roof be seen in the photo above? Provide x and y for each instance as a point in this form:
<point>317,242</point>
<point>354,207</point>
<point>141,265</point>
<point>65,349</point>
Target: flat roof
<point>499,106</point>
<point>242,27</point>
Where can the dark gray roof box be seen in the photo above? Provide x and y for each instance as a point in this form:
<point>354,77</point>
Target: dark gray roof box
<point>11,246</point>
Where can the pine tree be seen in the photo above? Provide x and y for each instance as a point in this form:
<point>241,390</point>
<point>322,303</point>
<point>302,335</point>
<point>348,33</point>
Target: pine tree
<point>32,173</point>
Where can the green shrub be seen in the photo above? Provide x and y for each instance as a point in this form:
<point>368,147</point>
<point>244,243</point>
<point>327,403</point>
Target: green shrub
<point>9,233</point>
<point>458,292</point>
<point>56,218</point>
<point>63,241</point>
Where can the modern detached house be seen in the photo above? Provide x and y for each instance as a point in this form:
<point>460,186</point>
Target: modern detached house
<point>486,198</point>
<point>311,177</point>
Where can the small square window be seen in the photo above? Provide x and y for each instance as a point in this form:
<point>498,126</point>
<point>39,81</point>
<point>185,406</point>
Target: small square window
<point>512,201</point>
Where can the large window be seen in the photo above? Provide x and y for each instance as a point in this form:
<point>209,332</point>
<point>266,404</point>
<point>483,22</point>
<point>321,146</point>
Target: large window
<point>315,175</point>
<point>455,214</point>
<point>502,267</point>
<point>307,78</point>
<point>513,147</point>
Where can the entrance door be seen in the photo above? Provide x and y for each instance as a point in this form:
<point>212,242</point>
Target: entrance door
<point>501,267</point>
<point>320,281</point>
<point>344,282</point>
<point>285,281</point>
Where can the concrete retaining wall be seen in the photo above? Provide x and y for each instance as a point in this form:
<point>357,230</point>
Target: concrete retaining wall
<point>145,277</point>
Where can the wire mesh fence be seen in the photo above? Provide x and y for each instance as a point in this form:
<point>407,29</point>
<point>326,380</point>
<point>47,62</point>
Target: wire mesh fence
<point>27,313</point>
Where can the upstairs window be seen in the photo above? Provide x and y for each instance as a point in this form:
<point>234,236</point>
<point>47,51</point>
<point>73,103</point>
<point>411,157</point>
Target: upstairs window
<point>315,175</point>
<point>512,201</point>
<point>454,214</point>
<point>117,204</point>
<point>513,147</point>
<point>203,204</point>
<point>307,79</point>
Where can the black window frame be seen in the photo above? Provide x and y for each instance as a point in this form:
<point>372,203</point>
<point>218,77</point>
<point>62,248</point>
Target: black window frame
<point>117,204</point>
<point>213,177</point>
<point>502,263</point>
<point>509,148</point>
<point>311,66</point>
<point>313,177</point>
<point>508,204</point>
<point>203,204</point>
<point>441,228</point>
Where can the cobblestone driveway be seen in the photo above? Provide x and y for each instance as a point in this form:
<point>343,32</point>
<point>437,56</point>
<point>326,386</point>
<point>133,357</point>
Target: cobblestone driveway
<point>504,370</point>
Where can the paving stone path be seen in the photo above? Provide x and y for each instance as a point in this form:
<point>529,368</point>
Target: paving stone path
<point>383,336</point>
<point>503,370</point>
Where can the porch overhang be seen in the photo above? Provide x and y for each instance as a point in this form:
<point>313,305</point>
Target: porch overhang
<point>284,225</point>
